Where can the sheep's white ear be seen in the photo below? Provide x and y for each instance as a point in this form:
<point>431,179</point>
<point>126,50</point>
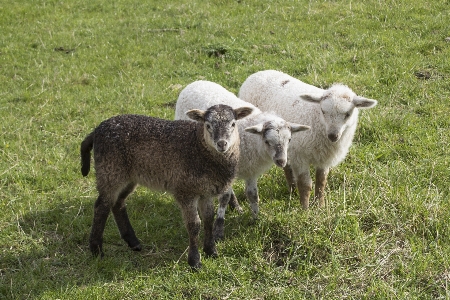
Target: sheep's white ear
<point>242,112</point>
<point>196,115</point>
<point>315,98</point>
<point>364,103</point>
<point>258,128</point>
<point>298,127</point>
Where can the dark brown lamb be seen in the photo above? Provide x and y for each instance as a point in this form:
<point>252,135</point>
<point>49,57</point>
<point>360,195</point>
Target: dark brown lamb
<point>194,161</point>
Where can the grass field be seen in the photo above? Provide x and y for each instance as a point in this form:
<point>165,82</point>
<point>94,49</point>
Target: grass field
<point>67,65</point>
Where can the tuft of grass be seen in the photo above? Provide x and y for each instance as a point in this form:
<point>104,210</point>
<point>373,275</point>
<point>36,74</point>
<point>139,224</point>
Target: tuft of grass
<point>66,66</point>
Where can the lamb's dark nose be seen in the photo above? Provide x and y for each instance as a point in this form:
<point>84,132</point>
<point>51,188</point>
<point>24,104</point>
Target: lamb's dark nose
<point>280,162</point>
<point>222,145</point>
<point>333,137</point>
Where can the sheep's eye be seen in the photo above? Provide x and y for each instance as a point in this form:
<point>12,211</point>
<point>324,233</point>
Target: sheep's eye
<point>233,124</point>
<point>289,140</point>
<point>347,115</point>
<point>267,143</point>
<point>208,126</point>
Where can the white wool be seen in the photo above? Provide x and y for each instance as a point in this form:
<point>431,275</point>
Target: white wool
<point>254,159</point>
<point>264,137</point>
<point>275,91</point>
<point>279,92</point>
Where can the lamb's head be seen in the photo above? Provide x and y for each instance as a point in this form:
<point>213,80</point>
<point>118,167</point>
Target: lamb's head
<point>339,108</point>
<point>219,124</point>
<point>276,134</point>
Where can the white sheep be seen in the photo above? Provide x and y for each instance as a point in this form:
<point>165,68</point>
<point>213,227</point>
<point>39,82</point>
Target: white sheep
<point>264,141</point>
<point>195,161</point>
<point>332,115</point>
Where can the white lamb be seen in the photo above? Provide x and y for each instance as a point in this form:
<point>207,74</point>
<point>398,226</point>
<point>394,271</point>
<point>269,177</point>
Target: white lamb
<point>332,115</point>
<point>264,141</point>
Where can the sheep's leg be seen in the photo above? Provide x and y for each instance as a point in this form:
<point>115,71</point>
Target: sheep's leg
<point>220,219</point>
<point>304,185</point>
<point>101,212</point>
<point>123,222</point>
<point>233,203</point>
<point>321,182</point>
<point>206,207</point>
<point>251,191</point>
<point>289,174</point>
<point>192,223</point>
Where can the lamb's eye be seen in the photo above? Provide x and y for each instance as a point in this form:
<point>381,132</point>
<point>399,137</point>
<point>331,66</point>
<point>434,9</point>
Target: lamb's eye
<point>267,143</point>
<point>233,124</point>
<point>347,115</point>
<point>208,126</point>
<point>289,140</point>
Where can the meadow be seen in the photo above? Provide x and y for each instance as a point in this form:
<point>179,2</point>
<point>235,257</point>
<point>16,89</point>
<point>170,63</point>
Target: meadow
<point>67,65</point>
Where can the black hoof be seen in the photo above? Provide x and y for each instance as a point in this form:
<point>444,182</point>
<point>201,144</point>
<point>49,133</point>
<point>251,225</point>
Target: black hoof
<point>96,250</point>
<point>136,248</point>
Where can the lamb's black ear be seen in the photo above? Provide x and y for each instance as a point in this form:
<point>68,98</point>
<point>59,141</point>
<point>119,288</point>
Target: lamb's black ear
<point>196,115</point>
<point>315,98</point>
<point>242,112</point>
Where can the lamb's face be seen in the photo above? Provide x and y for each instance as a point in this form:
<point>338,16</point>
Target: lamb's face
<point>337,113</point>
<point>220,129</point>
<point>276,135</point>
<point>339,109</point>
<point>219,125</point>
<point>276,140</point>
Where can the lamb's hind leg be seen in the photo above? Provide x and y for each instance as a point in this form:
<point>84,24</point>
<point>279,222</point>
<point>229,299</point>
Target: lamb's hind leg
<point>206,206</point>
<point>289,178</point>
<point>251,191</point>
<point>192,222</point>
<point>304,185</point>
<point>101,212</point>
<point>321,182</point>
<point>123,222</point>
<point>233,203</point>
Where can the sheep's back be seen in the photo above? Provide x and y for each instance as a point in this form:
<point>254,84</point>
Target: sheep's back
<point>204,94</point>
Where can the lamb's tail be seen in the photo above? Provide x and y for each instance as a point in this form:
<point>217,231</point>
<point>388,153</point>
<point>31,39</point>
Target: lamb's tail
<point>85,150</point>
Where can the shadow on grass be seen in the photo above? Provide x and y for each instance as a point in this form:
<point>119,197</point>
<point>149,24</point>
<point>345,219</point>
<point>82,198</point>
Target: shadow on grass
<point>53,254</point>
<point>51,251</point>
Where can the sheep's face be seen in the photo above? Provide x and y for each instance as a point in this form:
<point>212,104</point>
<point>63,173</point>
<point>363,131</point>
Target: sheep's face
<point>338,109</point>
<point>276,135</point>
<point>337,113</point>
<point>219,121</point>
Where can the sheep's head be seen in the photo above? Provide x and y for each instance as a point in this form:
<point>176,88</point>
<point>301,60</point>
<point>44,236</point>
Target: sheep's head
<point>219,121</point>
<point>339,108</point>
<point>276,135</point>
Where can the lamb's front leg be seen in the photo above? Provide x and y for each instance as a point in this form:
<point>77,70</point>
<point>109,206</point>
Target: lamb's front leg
<point>219,224</point>
<point>321,182</point>
<point>251,191</point>
<point>206,206</point>
<point>289,178</point>
<point>304,185</point>
<point>192,222</point>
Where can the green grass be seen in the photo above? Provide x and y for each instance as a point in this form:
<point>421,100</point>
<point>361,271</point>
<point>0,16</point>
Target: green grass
<point>67,65</point>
